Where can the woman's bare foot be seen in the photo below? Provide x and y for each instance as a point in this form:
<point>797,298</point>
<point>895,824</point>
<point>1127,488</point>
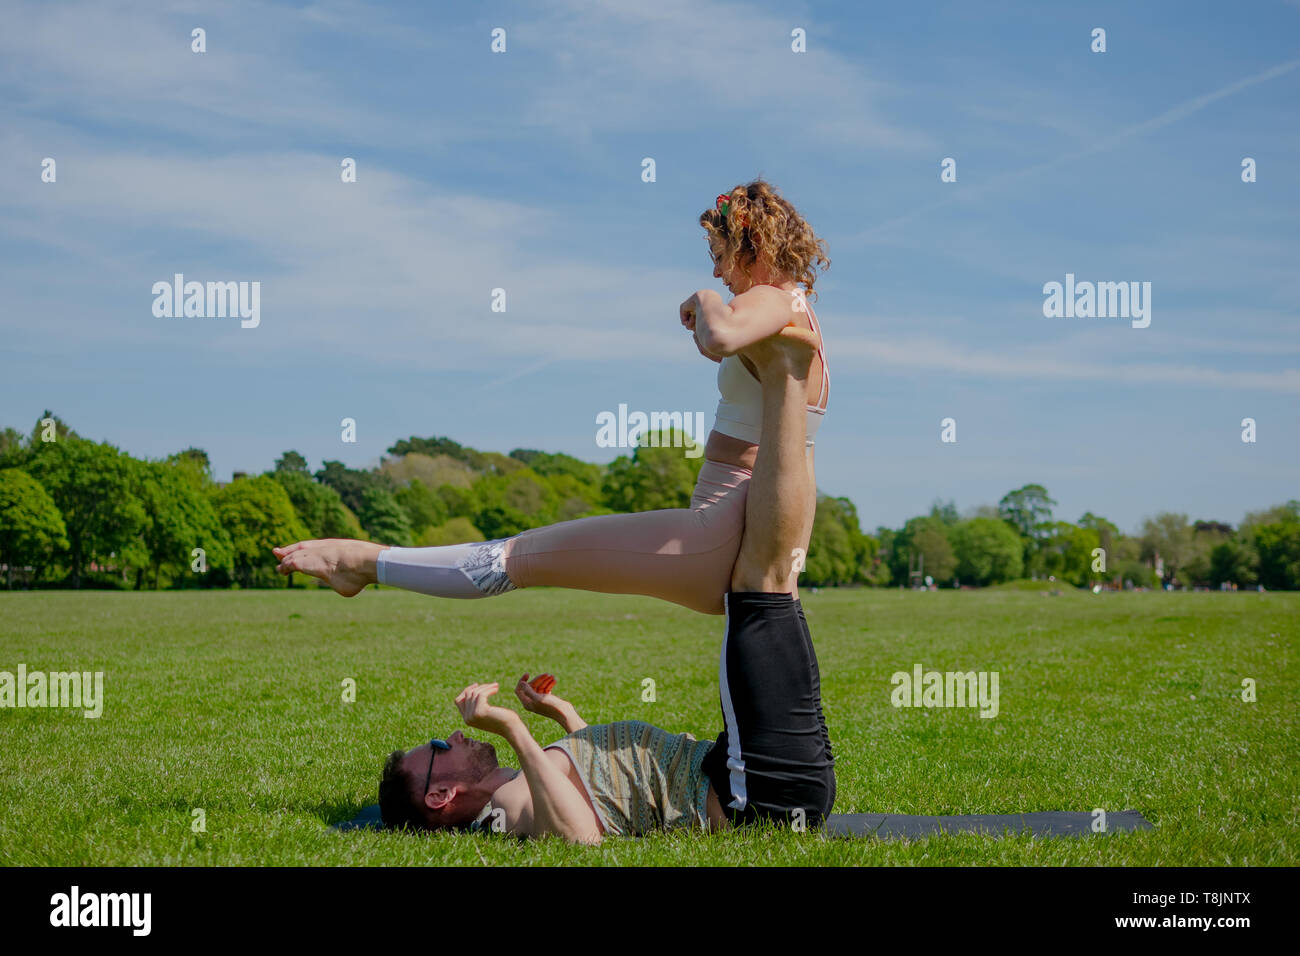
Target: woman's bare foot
<point>345,564</point>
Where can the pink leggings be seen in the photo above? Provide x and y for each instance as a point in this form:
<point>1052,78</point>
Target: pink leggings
<point>683,555</point>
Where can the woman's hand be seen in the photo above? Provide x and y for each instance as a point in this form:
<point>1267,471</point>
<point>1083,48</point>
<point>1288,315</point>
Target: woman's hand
<point>689,311</point>
<point>700,314</point>
<point>705,352</point>
<point>480,713</point>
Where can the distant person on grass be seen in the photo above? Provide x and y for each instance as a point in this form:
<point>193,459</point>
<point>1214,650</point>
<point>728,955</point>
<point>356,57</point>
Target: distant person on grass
<point>772,761</point>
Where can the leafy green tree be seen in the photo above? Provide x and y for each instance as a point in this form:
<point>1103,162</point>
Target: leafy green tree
<point>484,462</point>
<point>928,537</point>
<point>91,486</point>
<point>352,484</point>
<point>195,466</point>
<point>945,513</point>
<point>495,463</point>
<point>653,478</point>
<point>429,446</point>
<point>1234,562</point>
<point>31,528</point>
<point>12,450</point>
<point>552,465</point>
<point>875,570</point>
<point>575,498</point>
<point>1287,512</point>
<point>62,430</point>
<point>1278,546</point>
<point>423,506</point>
<point>501,521</point>
<point>1065,551</point>
<point>433,471</point>
<point>1107,534</point>
<point>988,551</point>
<point>1079,558</point>
<point>864,546</point>
<point>1126,566</point>
<point>257,516</point>
<point>838,551</point>
<point>318,506</point>
<point>940,562</point>
<point>1198,564</point>
<point>522,493</point>
<point>835,552</point>
<point>291,461</point>
<point>383,518</point>
<point>1168,536</point>
<point>179,519</point>
<point>887,570</point>
<point>1027,509</point>
<point>459,502</point>
<point>454,531</point>
<point>16,450</point>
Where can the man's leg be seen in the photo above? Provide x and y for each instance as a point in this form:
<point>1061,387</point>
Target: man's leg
<point>773,760</point>
<point>778,511</point>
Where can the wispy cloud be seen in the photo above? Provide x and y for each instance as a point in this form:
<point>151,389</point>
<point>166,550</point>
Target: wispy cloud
<point>1054,364</point>
<point>677,64</point>
<point>131,63</point>
<point>973,191</point>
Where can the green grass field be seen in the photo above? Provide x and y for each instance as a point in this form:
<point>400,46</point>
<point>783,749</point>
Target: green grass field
<point>232,702</point>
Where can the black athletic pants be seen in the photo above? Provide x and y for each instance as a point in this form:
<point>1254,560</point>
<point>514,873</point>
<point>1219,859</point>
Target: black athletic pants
<point>774,757</point>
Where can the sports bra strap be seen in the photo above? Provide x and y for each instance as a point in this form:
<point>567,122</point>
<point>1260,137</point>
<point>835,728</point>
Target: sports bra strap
<point>826,374</point>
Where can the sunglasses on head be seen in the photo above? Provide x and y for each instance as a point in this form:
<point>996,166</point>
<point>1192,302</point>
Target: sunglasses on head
<point>435,745</point>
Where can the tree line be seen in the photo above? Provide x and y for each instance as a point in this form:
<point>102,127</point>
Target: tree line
<point>79,513</point>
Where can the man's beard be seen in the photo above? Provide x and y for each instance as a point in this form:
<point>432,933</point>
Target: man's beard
<point>485,761</point>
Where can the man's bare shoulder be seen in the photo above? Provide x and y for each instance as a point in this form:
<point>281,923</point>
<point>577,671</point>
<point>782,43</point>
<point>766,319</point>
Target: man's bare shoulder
<point>515,799</point>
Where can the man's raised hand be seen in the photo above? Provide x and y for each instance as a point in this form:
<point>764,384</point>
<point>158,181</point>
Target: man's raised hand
<point>482,714</point>
<point>537,697</point>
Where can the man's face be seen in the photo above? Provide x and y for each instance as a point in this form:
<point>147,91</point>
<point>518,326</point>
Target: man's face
<point>467,762</point>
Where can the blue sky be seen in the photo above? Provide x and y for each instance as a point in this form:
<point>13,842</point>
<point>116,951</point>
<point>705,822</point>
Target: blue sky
<point>522,171</point>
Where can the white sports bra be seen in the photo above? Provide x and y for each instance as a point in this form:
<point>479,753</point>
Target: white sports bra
<point>740,411</point>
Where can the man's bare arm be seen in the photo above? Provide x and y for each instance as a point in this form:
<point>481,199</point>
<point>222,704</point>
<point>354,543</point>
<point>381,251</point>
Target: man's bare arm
<point>558,807</point>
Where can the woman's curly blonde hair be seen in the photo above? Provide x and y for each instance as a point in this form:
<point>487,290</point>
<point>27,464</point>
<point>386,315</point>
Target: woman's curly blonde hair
<point>761,227</point>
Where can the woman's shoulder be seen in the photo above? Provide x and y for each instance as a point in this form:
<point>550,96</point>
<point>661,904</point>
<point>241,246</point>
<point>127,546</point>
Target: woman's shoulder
<point>770,297</point>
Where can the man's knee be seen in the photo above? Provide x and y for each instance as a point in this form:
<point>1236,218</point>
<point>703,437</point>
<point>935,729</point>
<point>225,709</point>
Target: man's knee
<point>758,573</point>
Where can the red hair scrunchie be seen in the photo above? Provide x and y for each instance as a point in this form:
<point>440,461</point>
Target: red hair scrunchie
<point>723,205</point>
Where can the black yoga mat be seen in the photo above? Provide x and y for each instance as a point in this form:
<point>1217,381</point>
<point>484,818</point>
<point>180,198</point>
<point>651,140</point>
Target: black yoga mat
<point>893,826</point>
